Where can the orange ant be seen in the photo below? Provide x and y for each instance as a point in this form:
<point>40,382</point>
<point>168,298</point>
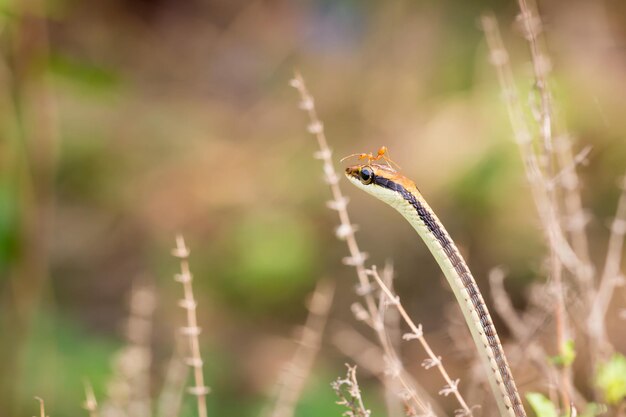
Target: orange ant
<point>380,154</point>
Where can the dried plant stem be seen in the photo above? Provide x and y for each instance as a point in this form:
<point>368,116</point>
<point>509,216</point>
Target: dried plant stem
<point>90,404</point>
<point>340,202</point>
<point>192,330</point>
<point>499,58</point>
<point>293,380</point>
<point>129,388</point>
<point>371,358</point>
<point>349,393</point>
<point>610,279</point>
<point>42,407</point>
<point>142,305</point>
<point>417,333</point>
<point>521,331</point>
<point>544,196</point>
<point>346,231</point>
<point>170,398</point>
<point>576,219</point>
<point>541,67</point>
<point>559,151</point>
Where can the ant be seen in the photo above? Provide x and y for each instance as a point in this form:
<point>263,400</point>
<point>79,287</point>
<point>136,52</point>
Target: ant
<point>380,154</point>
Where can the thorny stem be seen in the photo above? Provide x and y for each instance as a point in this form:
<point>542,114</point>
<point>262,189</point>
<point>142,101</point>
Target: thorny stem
<point>418,333</point>
<point>346,232</point>
<point>192,331</point>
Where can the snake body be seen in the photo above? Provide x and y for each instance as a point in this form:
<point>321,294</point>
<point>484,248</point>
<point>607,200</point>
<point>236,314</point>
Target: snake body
<point>401,193</point>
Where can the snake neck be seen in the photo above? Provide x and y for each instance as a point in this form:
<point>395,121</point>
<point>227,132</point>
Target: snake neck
<point>464,286</point>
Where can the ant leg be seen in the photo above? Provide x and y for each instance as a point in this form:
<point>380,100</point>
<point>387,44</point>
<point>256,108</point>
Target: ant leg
<point>391,161</point>
<point>359,155</point>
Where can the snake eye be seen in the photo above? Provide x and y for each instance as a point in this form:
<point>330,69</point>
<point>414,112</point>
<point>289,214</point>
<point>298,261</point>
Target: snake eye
<point>367,175</point>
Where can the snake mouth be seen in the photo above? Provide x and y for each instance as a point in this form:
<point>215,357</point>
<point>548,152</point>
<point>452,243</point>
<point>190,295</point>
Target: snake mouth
<point>353,171</point>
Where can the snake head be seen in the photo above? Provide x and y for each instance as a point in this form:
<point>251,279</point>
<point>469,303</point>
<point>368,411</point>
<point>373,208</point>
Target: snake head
<point>381,181</point>
<point>363,173</point>
<point>367,174</point>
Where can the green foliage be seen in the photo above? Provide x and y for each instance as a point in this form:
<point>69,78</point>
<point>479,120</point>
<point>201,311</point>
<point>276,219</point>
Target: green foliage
<point>566,356</point>
<point>82,74</point>
<point>319,399</point>
<point>480,186</point>
<point>611,379</point>
<point>58,357</point>
<point>9,225</point>
<point>6,10</point>
<point>542,406</point>
<point>270,259</point>
<point>87,170</point>
<point>593,410</point>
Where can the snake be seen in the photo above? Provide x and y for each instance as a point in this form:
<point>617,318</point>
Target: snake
<point>393,188</point>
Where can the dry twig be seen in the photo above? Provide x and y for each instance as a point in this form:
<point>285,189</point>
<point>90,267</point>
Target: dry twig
<point>349,393</point>
<point>192,330</point>
<point>42,407</point>
<point>90,404</point>
<point>171,396</point>
<point>129,388</point>
<point>611,277</point>
<point>433,360</point>
<point>371,314</point>
<point>561,253</point>
<point>346,231</point>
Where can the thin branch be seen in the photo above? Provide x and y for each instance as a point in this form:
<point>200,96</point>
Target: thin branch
<point>192,330</point>
<point>349,393</point>
<point>499,58</point>
<point>42,407</point>
<point>561,253</point>
<point>346,230</point>
<point>523,330</point>
<point>171,395</point>
<point>541,66</point>
<point>611,277</point>
<point>339,203</point>
<point>129,388</point>
<point>417,333</point>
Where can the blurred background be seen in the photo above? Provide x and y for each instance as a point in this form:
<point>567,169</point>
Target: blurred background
<point>125,122</point>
